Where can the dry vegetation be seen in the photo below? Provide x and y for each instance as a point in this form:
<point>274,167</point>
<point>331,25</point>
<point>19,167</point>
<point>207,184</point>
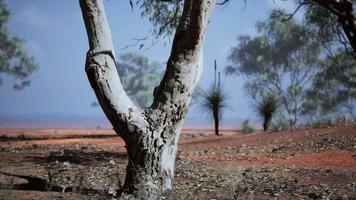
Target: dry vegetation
<point>303,164</point>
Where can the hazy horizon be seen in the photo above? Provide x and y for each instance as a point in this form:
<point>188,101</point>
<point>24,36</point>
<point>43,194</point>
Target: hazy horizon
<point>94,121</point>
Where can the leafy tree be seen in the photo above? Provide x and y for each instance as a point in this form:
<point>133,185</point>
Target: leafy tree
<point>280,61</point>
<point>329,34</point>
<point>344,14</point>
<point>214,100</point>
<point>14,60</point>
<point>139,76</point>
<point>334,85</point>
<point>151,134</point>
<point>266,108</point>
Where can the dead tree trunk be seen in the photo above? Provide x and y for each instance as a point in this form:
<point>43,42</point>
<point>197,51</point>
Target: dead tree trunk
<point>151,134</point>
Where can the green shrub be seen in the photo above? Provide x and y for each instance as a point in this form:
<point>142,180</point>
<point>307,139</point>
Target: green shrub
<point>247,127</point>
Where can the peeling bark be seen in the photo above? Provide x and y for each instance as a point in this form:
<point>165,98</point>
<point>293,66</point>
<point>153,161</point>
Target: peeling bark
<point>151,134</point>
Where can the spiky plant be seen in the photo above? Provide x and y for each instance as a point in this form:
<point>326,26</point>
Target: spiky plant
<point>266,108</point>
<point>215,100</point>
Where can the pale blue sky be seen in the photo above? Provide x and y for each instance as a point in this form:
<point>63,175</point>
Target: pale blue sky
<point>55,35</point>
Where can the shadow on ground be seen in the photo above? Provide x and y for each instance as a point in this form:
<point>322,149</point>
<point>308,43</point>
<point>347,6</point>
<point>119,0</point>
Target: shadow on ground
<point>79,157</point>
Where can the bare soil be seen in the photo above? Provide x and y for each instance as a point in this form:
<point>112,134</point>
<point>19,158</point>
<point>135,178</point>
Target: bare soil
<point>90,164</point>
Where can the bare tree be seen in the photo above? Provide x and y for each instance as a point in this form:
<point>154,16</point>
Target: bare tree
<point>151,134</point>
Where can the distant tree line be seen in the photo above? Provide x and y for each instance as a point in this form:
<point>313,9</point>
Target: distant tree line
<point>308,67</point>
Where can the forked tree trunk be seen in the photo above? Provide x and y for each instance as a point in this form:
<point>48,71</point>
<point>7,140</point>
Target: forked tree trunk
<point>151,134</point>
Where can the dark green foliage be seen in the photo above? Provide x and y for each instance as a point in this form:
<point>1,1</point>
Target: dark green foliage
<point>266,108</point>
<point>139,76</point>
<point>215,100</point>
<point>247,127</point>
<point>14,60</point>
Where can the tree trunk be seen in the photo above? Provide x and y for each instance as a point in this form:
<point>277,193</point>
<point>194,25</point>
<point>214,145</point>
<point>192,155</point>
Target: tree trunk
<point>266,122</point>
<point>150,171</point>
<point>216,122</point>
<point>151,134</point>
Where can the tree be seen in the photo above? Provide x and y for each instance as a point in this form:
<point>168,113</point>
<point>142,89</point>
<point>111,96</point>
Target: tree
<point>345,14</point>
<point>138,76</point>
<point>14,60</point>
<point>214,100</point>
<point>333,86</point>
<point>266,108</point>
<point>343,11</point>
<point>331,36</point>
<point>151,134</point>
<point>164,15</point>
<point>280,61</point>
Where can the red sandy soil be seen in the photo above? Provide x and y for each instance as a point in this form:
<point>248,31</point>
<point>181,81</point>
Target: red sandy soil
<point>193,140</point>
<point>306,155</point>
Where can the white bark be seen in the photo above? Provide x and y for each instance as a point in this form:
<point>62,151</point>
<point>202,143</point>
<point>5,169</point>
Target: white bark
<point>101,69</point>
<point>151,134</point>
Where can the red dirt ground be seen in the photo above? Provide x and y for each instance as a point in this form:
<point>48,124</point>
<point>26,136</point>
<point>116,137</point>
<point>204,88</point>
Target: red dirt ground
<point>245,163</point>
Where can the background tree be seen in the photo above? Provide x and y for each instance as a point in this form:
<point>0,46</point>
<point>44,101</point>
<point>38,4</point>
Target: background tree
<point>321,22</point>
<point>280,61</point>
<point>215,100</point>
<point>139,76</point>
<point>266,108</point>
<point>334,85</point>
<point>151,134</point>
<point>14,60</point>
<point>344,14</point>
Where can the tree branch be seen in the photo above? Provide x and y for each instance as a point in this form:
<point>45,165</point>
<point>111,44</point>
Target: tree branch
<point>344,11</point>
<point>100,66</point>
<point>184,65</point>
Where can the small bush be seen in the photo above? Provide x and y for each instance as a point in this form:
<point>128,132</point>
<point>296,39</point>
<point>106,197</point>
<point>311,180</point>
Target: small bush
<point>247,127</point>
<point>280,124</point>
